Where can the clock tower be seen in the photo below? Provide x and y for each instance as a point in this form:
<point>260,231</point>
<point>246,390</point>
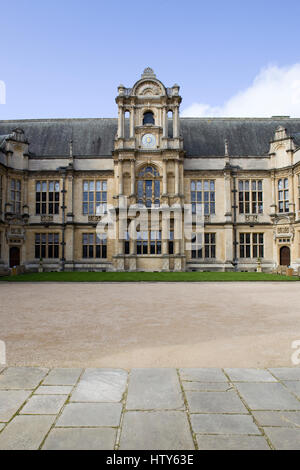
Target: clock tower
<point>148,151</point>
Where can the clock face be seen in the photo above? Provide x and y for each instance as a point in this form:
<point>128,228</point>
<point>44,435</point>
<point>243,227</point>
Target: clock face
<point>148,141</point>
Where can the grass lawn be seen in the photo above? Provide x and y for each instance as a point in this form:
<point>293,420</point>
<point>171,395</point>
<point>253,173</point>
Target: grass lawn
<point>146,276</point>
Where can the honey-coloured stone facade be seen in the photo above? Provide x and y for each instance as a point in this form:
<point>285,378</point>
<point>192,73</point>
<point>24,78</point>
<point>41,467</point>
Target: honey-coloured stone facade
<point>60,177</point>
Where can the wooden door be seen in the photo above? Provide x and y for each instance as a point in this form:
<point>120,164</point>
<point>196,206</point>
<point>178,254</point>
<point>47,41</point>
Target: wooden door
<point>14,256</point>
<point>285,256</point>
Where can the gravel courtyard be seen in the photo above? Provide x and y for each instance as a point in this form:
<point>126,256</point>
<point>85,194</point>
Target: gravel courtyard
<point>150,324</point>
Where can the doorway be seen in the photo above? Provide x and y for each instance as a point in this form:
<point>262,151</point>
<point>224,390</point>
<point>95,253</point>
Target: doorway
<point>285,256</point>
<point>14,256</point>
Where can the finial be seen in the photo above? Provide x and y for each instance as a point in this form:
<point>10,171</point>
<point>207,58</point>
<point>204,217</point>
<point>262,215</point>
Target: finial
<point>226,148</point>
<point>71,148</point>
<point>148,73</point>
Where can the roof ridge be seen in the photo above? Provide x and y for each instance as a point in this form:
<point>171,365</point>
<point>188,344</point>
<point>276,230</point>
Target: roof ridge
<point>56,119</point>
<point>289,119</point>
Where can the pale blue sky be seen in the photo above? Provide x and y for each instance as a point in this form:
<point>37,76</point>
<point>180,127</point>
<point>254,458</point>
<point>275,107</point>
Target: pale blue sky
<point>66,58</point>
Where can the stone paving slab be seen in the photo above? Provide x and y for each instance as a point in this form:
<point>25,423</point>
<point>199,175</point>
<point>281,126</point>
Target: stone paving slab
<point>101,385</point>
<point>54,390</point>
<point>286,373</point>
<point>287,419</point>
<point>21,378</point>
<point>249,375</point>
<point>149,409</point>
<point>284,438</point>
<point>267,396</point>
<point>90,414</point>
<point>232,443</point>
<point>293,386</point>
<point>203,375</point>
<point>44,405</point>
<point>215,402</point>
<point>207,386</point>
<point>10,402</point>
<point>25,432</point>
<point>144,430</point>
<point>153,389</point>
<point>62,377</point>
<point>80,439</point>
<point>223,424</point>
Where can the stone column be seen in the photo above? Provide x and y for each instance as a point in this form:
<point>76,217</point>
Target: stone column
<point>176,162</point>
<point>227,196</point>
<point>120,174</point>
<point>177,231</point>
<point>25,191</point>
<point>8,195</point>
<point>132,176</point>
<point>132,244</point>
<point>228,232</point>
<point>69,198</point>
<point>131,133</point>
<point>121,122</point>
<point>165,233</point>
<point>165,132</point>
<point>165,177</point>
<point>291,192</point>
<point>4,192</point>
<point>176,122</point>
<point>273,185</point>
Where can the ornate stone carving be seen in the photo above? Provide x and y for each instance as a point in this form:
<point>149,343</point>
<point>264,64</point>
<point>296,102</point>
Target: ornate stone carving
<point>94,218</point>
<point>148,88</point>
<point>251,218</point>
<point>46,218</point>
<point>283,226</point>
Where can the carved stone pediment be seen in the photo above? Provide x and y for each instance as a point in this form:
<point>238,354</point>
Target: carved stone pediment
<point>15,235</point>
<point>283,227</point>
<point>148,88</point>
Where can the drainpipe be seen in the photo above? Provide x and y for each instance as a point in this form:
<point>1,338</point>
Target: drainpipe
<point>235,242</point>
<point>62,171</point>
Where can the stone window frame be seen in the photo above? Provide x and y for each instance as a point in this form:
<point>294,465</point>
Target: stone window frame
<point>146,174</point>
<point>94,196</point>
<point>250,196</point>
<point>47,200</point>
<point>206,250</point>
<point>47,245</point>
<point>149,243</point>
<point>203,194</point>
<point>251,245</point>
<point>16,195</point>
<point>94,246</point>
<point>283,195</point>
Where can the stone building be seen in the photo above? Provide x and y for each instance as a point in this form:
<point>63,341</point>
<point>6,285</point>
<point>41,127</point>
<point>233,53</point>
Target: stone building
<point>58,177</point>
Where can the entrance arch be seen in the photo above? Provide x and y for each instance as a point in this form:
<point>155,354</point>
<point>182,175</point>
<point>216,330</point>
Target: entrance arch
<point>14,256</point>
<point>285,256</point>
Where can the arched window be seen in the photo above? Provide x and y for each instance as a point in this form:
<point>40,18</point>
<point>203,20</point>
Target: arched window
<point>170,124</point>
<point>126,124</point>
<point>148,187</point>
<point>148,118</point>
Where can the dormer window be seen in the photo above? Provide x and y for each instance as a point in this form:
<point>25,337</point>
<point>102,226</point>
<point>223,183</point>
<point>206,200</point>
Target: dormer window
<point>148,118</point>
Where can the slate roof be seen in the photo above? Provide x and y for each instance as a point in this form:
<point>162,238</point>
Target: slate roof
<point>203,137</point>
